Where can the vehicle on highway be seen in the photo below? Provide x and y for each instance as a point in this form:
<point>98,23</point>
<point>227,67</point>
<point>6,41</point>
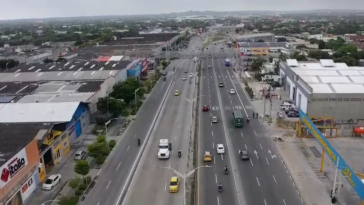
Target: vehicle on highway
<point>80,155</point>
<point>186,71</point>
<point>164,78</point>
<point>207,157</point>
<point>164,149</point>
<point>190,75</point>
<point>195,59</point>
<point>176,93</point>
<point>51,182</point>
<point>184,78</point>
<point>220,149</point>
<point>221,84</point>
<point>238,118</point>
<point>227,62</point>
<point>205,108</point>
<point>244,155</point>
<point>174,185</point>
<point>232,91</point>
<point>209,66</point>
<point>214,119</point>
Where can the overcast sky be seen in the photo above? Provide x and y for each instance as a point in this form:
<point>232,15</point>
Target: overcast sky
<point>19,9</point>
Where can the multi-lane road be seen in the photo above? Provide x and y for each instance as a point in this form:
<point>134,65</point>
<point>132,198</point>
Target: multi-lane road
<point>262,180</point>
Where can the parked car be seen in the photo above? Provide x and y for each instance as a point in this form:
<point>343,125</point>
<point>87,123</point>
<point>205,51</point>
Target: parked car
<point>80,155</point>
<point>51,181</point>
<point>293,113</point>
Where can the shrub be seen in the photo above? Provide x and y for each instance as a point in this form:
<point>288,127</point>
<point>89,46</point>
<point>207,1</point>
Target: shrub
<point>78,192</point>
<point>125,113</point>
<point>140,103</point>
<point>82,187</point>
<point>68,200</point>
<point>87,180</point>
<point>100,159</point>
<point>112,144</point>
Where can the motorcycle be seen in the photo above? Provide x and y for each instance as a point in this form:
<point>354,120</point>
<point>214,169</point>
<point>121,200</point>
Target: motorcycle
<point>226,171</point>
<point>219,188</point>
<point>179,154</point>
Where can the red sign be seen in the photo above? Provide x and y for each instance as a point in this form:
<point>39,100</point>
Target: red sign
<point>144,65</point>
<point>14,165</point>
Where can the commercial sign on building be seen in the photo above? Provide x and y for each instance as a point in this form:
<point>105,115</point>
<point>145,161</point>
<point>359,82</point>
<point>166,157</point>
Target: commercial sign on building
<point>144,65</point>
<point>28,188</point>
<point>12,167</point>
<point>344,168</point>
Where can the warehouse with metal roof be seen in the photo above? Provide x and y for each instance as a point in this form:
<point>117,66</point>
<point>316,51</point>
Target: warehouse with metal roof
<point>325,88</point>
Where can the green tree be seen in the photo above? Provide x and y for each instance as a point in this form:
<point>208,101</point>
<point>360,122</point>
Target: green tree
<point>68,200</point>
<point>95,149</point>
<point>78,43</point>
<point>125,90</point>
<point>256,65</point>
<point>82,168</point>
<point>350,61</point>
<point>319,55</point>
<point>74,182</point>
<point>321,44</point>
<point>298,56</point>
<point>112,105</point>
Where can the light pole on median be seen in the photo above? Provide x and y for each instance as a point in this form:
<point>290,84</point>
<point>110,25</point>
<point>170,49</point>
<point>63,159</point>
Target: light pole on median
<point>184,176</point>
<point>135,96</point>
<point>45,203</point>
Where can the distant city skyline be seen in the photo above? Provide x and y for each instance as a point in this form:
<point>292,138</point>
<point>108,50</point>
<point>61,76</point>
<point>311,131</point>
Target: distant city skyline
<point>25,9</point>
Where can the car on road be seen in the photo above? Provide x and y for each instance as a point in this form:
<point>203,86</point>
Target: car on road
<point>205,108</point>
<point>209,66</point>
<point>220,149</point>
<point>221,85</point>
<point>232,91</point>
<point>190,75</point>
<point>184,78</point>
<point>80,155</point>
<point>174,185</point>
<point>207,157</point>
<point>245,155</point>
<point>186,71</point>
<point>214,119</point>
<point>176,92</point>
<point>51,182</point>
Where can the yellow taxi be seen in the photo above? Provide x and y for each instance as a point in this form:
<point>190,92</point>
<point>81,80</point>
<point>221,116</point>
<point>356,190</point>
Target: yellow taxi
<point>174,185</point>
<point>207,157</point>
<point>176,93</point>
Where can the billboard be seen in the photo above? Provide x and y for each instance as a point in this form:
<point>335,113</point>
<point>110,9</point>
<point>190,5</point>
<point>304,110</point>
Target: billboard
<point>12,167</point>
<point>144,65</point>
<point>344,168</point>
<point>28,188</point>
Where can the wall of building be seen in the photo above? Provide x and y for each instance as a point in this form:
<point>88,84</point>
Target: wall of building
<point>121,76</point>
<point>340,106</point>
<point>15,188</point>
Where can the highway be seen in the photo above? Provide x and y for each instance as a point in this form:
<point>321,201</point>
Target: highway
<point>263,180</point>
<point>151,179</point>
<point>111,182</point>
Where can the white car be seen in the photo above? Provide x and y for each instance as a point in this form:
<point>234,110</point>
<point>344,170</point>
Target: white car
<point>214,119</point>
<point>232,91</point>
<point>184,78</point>
<point>220,149</point>
<point>51,182</point>
<point>190,75</point>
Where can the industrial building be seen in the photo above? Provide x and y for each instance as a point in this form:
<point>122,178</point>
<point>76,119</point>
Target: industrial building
<point>265,48</point>
<point>325,88</point>
<point>36,136</point>
<point>254,37</point>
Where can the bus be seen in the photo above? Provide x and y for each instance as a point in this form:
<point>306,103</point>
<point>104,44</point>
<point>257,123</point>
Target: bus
<point>227,62</point>
<point>238,118</point>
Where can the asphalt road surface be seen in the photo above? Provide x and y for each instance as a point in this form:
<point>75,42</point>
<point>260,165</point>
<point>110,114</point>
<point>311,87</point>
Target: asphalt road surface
<point>114,173</point>
<point>262,180</point>
<point>151,182</point>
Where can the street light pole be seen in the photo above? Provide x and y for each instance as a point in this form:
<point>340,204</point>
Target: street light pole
<point>136,106</point>
<point>184,176</point>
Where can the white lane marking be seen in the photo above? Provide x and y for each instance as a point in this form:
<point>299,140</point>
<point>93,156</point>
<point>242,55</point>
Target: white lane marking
<point>98,173</point>
<point>285,166</point>
<point>297,192</point>
<point>128,148</point>
<point>251,162</point>
<point>212,133</point>
<point>231,101</point>
<point>255,133</point>
<point>213,146</point>
<point>290,177</point>
<point>214,161</point>
<point>284,202</point>
<point>216,178</point>
<point>108,184</point>
<point>165,187</point>
<point>218,201</point>
<point>222,158</point>
<point>246,147</point>
<point>261,146</point>
<point>241,134</point>
<point>257,181</point>
<point>175,137</point>
<point>98,203</point>
<point>265,202</point>
<point>134,135</point>
<point>267,160</point>
<point>118,166</point>
<point>301,199</point>
<point>274,179</point>
<point>294,184</point>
